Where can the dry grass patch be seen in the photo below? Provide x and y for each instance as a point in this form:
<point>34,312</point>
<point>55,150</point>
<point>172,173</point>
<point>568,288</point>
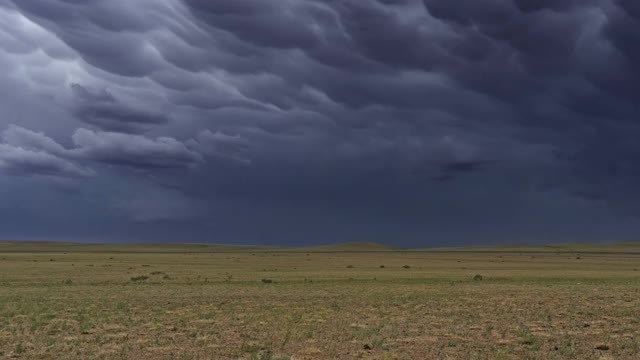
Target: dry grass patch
<point>218,306</point>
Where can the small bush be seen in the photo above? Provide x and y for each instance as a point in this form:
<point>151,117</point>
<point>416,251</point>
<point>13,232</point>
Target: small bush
<point>381,266</point>
<point>406,267</point>
<point>478,277</point>
<point>139,278</point>
<point>350,266</point>
<point>157,273</point>
<point>267,281</point>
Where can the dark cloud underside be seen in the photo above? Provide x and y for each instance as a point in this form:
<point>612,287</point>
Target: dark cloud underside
<point>415,122</point>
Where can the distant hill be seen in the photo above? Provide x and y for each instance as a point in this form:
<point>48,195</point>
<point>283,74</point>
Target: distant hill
<point>55,246</point>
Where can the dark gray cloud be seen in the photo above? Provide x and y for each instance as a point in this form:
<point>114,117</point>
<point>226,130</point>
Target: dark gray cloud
<point>19,161</point>
<point>346,119</point>
<point>24,152</point>
<point>133,150</point>
<point>102,109</point>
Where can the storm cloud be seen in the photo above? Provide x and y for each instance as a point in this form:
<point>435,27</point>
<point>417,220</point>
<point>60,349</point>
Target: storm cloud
<point>414,122</point>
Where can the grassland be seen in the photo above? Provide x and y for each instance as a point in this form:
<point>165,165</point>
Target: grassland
<point>176,301</point>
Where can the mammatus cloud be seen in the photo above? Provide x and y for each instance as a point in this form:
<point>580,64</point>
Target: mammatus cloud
<point>19,161</point>
<point>104,111</point>
<point>133,150</point>
<point>333,111</point>
<point>27,152</point>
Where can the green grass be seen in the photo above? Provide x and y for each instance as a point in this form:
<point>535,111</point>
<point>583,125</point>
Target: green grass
<point>73,301</point>
<point>584,247</point>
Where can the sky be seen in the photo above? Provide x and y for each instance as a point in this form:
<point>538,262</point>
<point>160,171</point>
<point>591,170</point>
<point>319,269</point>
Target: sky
<point>297,122</point>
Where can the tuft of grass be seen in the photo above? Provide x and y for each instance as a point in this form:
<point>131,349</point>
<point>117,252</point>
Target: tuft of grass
<point>567,350</point>
<point>250,348</point>
<point>287,338</point>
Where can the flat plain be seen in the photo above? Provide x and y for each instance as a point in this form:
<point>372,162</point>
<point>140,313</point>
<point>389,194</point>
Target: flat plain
<point>176,301</point>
